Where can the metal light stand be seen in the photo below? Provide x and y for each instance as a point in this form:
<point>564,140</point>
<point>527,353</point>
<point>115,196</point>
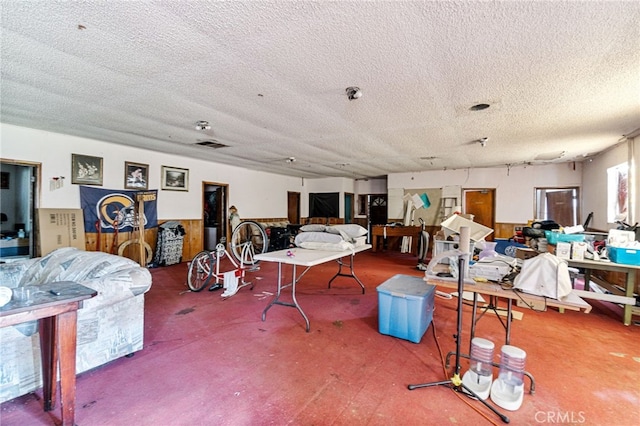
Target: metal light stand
<point>455,382</point>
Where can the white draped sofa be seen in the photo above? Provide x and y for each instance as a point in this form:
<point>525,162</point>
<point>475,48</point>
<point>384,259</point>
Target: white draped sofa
<point>110,325</point>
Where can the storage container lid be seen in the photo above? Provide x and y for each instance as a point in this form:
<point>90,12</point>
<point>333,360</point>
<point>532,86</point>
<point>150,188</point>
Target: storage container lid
<point>482,343</point>
<point>406,285</point>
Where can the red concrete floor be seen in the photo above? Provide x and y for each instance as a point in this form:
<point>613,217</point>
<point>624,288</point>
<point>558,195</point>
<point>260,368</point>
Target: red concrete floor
<point>212,361</point>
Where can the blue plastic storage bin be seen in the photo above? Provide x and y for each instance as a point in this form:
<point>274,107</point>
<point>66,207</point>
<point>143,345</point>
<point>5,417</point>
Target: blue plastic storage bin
<point>627,256</point>
<point>555,237</point>
<point>405,307</point>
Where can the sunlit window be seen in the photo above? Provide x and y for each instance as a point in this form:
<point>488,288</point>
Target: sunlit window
<point>617,192</point>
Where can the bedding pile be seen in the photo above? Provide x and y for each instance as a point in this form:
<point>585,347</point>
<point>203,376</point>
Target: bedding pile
<point>331,237</point>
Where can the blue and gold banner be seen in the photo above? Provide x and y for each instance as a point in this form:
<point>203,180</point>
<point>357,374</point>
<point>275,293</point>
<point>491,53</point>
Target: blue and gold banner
<point>113,208</point>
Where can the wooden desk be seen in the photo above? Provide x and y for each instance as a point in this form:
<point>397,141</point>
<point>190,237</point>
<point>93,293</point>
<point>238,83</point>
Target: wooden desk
<point>571,302</point>
<point>629,270</point>
<point>379,232</point>
<point>14,247</point>
<point>57,317</point>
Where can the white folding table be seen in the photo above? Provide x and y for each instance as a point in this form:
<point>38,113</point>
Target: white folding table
<point>306,258</point>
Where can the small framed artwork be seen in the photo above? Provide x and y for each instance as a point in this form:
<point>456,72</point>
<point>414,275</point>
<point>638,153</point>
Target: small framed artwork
<point>86,170</point>
<point>4,180</point>
<point>175,179</point>
<point>136,175</point>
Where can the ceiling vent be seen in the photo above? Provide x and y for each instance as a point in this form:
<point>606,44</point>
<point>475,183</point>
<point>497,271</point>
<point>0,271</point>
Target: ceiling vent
<point>212,144</point>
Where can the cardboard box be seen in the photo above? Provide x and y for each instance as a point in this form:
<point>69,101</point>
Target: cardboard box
<point>525,253</point>
<point>578,250</point>
<point>563,250</point>
<point>60,228</point>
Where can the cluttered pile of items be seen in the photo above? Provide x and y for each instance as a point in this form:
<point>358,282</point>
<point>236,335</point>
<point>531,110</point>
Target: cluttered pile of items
<point>540,265</point>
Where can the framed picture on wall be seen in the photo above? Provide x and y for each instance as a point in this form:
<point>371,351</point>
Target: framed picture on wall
<point>86,170</point>
<point>136,175</point>
<point>175,179</point>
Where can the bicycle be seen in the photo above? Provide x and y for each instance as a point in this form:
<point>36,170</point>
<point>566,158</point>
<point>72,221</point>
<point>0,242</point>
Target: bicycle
<point>251,232</point>
<point>246,240</point>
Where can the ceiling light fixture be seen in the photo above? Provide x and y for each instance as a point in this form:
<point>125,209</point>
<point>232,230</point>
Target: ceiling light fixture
<point>483,142</point>
<point>202,125</point>
<point>291,160</point>
<point>479,107</point>
<point>353,92</point>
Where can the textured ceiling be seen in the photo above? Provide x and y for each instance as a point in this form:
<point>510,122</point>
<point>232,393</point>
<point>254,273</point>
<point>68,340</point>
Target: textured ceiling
<point>562,79</point>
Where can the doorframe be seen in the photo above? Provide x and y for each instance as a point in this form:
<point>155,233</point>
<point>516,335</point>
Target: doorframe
<point>351,213</point>
<point>493,205</point>
<point>225,210</point>
<point>297,207</point>
<point>576,204</point>
<point>34,198</point>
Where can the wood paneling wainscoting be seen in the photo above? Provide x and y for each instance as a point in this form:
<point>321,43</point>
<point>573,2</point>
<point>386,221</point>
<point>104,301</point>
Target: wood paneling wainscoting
<point>193,240</point>
<point>322,220</point>
<point>362,221</point>
<point>506,230</point>
<point>191,245</point>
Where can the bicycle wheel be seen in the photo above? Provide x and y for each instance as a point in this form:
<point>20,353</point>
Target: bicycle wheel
<point>200,270</point>
<point>248,233</point>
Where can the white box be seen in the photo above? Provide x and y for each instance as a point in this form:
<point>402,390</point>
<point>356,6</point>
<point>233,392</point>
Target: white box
<point>494,271</point>
<point>563,250</point>
<point>578,249</point>
<point>477,232</point>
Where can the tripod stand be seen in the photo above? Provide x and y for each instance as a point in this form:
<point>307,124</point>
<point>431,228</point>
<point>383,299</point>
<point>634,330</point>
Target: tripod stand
<point>455,382</point>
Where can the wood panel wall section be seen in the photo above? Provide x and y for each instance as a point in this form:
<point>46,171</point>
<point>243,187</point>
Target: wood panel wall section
<point>191,244</point>
<point>322,220</point>
<point>269,220</point>
<point>506,230</point>
<point>362,221</point>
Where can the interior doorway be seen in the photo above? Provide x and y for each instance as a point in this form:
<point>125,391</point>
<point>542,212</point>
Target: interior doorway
<point>481,204</point>
<point>214,214</point>
<point>20,193</point>
<point>293,207</point>
<point>561,205</point>
<point>348,207</point>
<point>377,209</point>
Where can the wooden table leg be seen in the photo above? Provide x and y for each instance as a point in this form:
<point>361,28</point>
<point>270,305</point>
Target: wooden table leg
<point>587,279</point>
<point>67,335</point>
<point>630,286</point>
<point>49,359</point>
<point>58,345</point>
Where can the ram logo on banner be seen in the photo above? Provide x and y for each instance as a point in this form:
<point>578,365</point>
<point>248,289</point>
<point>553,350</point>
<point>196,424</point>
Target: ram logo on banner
<point>112,209</point>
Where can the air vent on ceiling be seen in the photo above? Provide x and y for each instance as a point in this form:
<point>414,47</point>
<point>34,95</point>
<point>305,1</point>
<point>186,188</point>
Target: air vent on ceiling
<point>212,144</point>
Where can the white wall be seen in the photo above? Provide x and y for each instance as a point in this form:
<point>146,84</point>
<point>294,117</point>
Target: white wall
<point>515,187</point>
<point>259,194</point>
<point>371,186</point>
<point>595,178</point>
<point>256,194</point>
